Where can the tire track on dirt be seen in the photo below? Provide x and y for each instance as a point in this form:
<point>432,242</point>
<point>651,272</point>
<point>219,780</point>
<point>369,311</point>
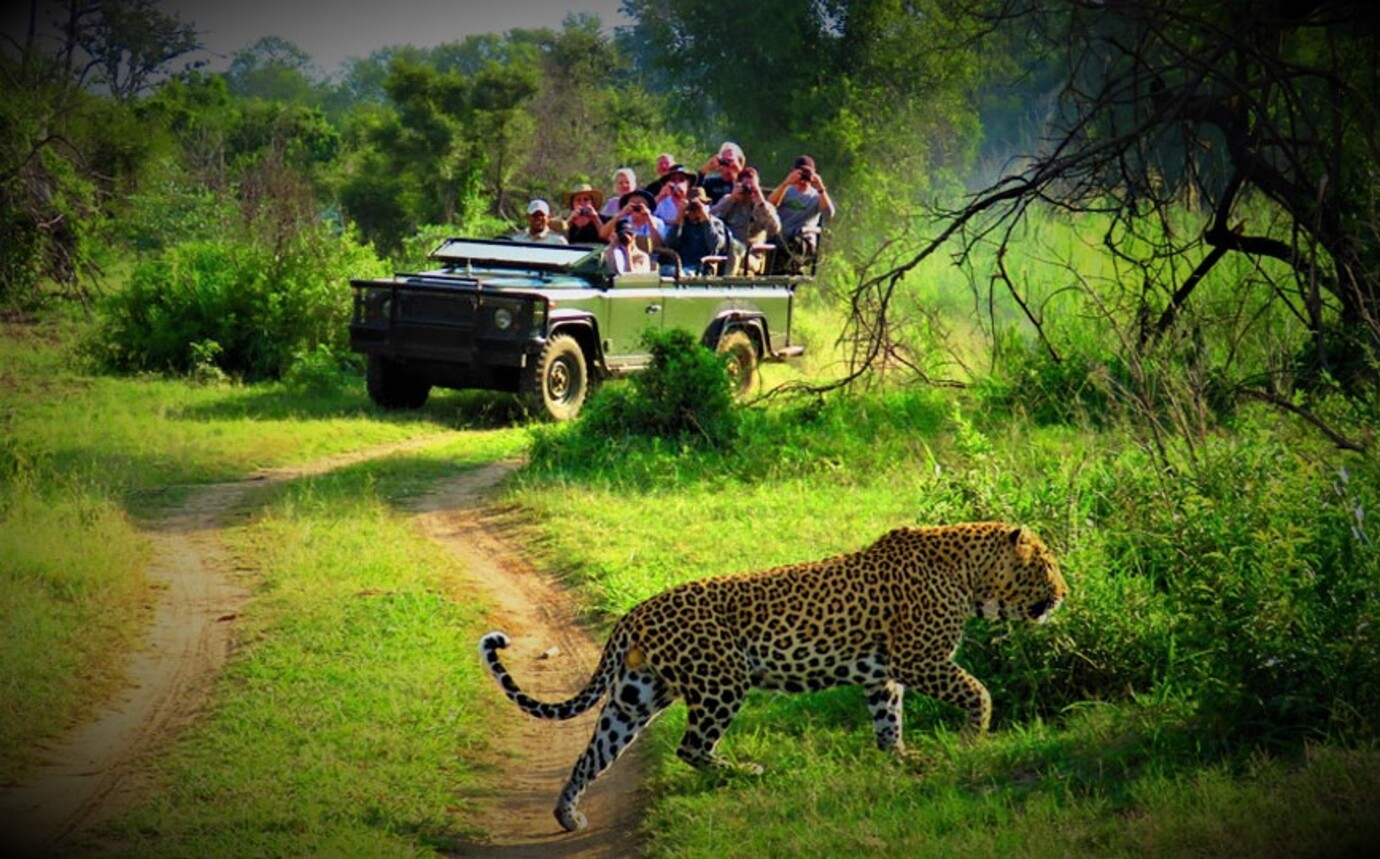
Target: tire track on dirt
<point>99,766</point>
<point>553,658</point>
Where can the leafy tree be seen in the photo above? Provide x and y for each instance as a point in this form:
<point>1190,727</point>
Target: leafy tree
<point>275,69</point>
<point>64,151</point>
<point>361,83</point>
<point>876,89</point>
<point>199,113</point>
<point>450,144</point>
<point>499,131</point>
<point>131,43</point>
<point>575,103</point>
<point>1262,117</point>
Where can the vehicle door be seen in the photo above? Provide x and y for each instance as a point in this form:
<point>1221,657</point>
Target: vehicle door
<point>694,306</point>
<point>635,304</point>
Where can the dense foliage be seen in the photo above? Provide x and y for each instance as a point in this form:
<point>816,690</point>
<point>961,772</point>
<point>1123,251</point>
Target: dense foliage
<point>233,307</point>
<point>1151,337</point>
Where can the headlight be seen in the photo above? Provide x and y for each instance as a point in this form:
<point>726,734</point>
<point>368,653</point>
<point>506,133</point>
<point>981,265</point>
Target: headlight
<point>503,319</point>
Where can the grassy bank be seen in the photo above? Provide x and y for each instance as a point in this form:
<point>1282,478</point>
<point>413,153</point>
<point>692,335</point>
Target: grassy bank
<point>350,722</point>
<point>84,461</point>
<point>1205,689</point>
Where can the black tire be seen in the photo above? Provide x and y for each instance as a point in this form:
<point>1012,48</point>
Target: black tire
<point>740,358</point>
<point>390,385</point>
<point>555,386</point>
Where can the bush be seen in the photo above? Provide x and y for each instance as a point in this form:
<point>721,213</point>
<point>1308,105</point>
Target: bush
<point>1244,586</point>
<point>1029,382</point>
<point>683,399</point>
<point>233,306</point>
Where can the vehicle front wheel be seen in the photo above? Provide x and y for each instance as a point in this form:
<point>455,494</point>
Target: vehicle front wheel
<point>556,384</point>
<point>740,358</point>
<point>390,385</point>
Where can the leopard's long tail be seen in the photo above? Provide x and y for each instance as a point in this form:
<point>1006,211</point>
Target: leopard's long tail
<point>595,689</point>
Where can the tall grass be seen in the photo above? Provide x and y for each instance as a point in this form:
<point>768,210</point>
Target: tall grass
<point>1221,622</point>
<point>72,600</point>
<point>1245,580</point>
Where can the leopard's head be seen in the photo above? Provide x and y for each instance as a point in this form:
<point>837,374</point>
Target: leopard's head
<point>1031,587</point>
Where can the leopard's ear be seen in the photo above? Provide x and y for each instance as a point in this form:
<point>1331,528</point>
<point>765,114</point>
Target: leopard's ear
<point>1015,535</point>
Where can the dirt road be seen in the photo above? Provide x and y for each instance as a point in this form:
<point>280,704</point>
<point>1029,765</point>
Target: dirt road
<point>553,657</point>
<point>97,769</point>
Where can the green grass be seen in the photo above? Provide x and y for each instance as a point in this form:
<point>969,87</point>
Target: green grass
<point>85,460</point>
<point>352,720</point>
<point>72,600</point>
<point>1209,688</point>
<point>1216,617</point>
<point>1036,792</point>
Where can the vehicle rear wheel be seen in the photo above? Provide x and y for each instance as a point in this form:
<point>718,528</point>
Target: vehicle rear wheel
<point>390,385</point>
<point>556,384</point>
<point>740,358</point>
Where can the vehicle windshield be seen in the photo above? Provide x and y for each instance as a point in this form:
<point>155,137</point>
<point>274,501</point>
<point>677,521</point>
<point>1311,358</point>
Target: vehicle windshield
<point>481,253</point>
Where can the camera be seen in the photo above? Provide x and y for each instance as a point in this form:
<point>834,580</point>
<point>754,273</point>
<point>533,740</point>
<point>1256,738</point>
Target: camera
<point>725,161</point>
<point>806,174</point>
<point>639,207</point>
<point>586,209</point>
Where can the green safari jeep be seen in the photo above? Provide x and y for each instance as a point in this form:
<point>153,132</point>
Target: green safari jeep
<point>548,322</point>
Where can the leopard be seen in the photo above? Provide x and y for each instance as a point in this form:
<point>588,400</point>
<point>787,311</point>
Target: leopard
<point>888,617</point>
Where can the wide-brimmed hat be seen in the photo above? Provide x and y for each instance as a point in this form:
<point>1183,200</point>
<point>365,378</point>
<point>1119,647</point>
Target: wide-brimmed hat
<point>584,188</point>
<point>680,170</point>
<point>641,193</point>
<point>696,193</point>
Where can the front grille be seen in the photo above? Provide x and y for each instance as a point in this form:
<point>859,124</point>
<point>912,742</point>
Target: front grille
<point>434,308</point>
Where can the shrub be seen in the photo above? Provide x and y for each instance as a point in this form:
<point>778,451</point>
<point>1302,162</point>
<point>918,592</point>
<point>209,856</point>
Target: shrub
<point>234,306</point>
<point>1244,586</point>
<point>682,400</point>
<point>683,395</point>
<point>323,369</point>
<point>1029,382</point>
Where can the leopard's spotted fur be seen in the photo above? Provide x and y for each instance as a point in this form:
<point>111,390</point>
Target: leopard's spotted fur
<point>887,617</point>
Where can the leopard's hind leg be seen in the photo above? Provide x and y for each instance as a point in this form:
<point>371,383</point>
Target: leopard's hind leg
<point>710,708</point>
<point>637,697</point>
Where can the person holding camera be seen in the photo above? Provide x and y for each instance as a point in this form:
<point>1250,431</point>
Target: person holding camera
<point>671,198</point>
<point>751,219</point>
<point>697,234</point>
<point>801,200</point>
<point>623,255</point>
<point>584,226</point>
<point>636,207</point>
<point>721,171</point>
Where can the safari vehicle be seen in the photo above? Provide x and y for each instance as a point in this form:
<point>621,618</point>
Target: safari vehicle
<point>548,322</point>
